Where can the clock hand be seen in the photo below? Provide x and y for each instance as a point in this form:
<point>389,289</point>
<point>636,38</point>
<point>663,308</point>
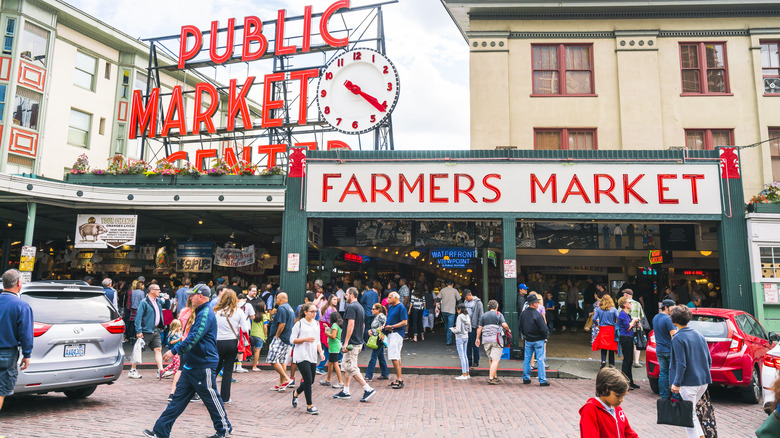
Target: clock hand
<point>370,99</point>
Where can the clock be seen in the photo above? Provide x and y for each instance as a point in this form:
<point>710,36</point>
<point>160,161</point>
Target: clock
<point>357,91</point>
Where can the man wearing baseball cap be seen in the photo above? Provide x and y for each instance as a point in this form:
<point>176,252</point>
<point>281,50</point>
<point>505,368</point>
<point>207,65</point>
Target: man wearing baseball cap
<point>664,330</point>
<point>199,355</point>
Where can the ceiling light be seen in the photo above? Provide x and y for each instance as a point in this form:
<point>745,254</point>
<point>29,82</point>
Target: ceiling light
<point>386,250</point>
<point>414,253</point>
<point>67,238</point>
<point>10,224</point>
<point>469,270</point>
<point>706,253</point>
<point>396,252</point>
<point>200,221</point>
<point>563,250</point>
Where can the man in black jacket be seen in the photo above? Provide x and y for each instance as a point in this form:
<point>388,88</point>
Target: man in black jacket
<point>536,333</point>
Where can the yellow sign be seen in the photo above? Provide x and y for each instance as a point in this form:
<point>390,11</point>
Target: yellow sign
<point>27,260</point>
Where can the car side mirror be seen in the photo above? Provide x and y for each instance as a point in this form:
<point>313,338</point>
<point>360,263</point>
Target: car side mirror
<point>774,337</point>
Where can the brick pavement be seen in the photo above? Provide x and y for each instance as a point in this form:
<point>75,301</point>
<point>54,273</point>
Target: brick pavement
<point>433,406</point>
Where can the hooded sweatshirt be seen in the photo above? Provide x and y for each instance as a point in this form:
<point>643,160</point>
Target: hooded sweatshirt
<point>597,422</point>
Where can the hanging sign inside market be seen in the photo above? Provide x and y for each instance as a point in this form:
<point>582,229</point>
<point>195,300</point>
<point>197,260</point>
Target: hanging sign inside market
<point>235,257</point>
<point>103,231</point>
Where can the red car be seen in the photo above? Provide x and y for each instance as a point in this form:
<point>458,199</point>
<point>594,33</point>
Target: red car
<point>737,345</point>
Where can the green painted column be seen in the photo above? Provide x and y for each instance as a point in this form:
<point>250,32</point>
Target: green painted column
<point>294,241</point>
<point>485,282</point>
<point>328,256</point>
<point>32,209</point>
<point>510,284</point>
<point>734,260</point>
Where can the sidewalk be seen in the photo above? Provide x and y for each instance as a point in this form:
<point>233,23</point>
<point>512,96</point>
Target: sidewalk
<point>569,356</point>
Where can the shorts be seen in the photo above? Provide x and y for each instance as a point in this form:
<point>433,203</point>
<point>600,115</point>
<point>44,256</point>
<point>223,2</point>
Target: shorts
<point>278,352</point>
<point>9,370</point>
<point>153,340</point>
<point>350,362</point>
<point>256,342</point>
<point>493,350</point>
<point>394,344</point>
<point>333,357</point>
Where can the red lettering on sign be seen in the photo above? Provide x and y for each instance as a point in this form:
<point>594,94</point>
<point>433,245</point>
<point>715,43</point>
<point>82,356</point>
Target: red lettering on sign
<point>306,44</point>
<point>324,32</point>
<point>356,191</point>
<point>253,32</point>
<point>202,154</point>
<point>214,41</point>
<point>382,191</point>
<point>551,184</point>
<point>184,54</point>
<point>337,144</point>
<point>303,76</point>
<point>466,191</point>
<point>628,189</point>
<point>176,156</point>
<point>434,188</point>
<point>200,114</point>
<point>175,108</point>
<point>491,187</point>
<point>402,182</point>
<point>237,104</point>
<point>269,104</point>
<point>281,49</point>
<point>325,186</point>
<point>607,192</point>
<point>662,188</point>
<point>271,150</point>
<point>694,187</point>
<point>142,117</point>
<point>580,190</point>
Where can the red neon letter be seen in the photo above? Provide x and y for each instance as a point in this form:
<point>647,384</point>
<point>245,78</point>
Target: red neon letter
<point>383,191</point>
<point>201,154</point>
<point>551,182</point>
<point>694,187</point>
<point>662,188</point>
<point>325,186</point>
<point>580,190</point>
<point>271,150</point>
<point>140,118</point>
<point>491,187</point>
<point>628,189</point>
<point>306,44</point>
<point>303,76</point>
<point>238,104</point>
<point>326,36</point>
<point>281,49</point>
<point>309,145</point>
<point>402,182</point>
<point>176,156</point>
<point>205,116</point>
<point>269,104</point>
<point>466,191</point>
<point>184,54</point>
<point>175,107</point>
<point>607,192</point>
<point>253,32</point>
<point>357,191</point>
<point>231,159</point>
<point>214,41</point>
<point>433,188</point>
<point>338,144</point>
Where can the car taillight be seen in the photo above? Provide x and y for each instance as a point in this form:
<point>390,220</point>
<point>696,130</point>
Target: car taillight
<point>40,328</point>
<point>772,361</point>
<point>116,326</point>
<point>651,341</point>
<point>736,344</point>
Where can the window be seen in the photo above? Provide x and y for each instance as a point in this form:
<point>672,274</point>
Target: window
<point>573,63</point>
<point>3,88</point>
<point>34,44</point>
<point>770,261</point>
<point>774,149</point>
<point>107,73</point>
<point>78,128</point>
<point>27,105</point>
<point>704,68</point>
<point>85,71</point>
<point>708,139</point>
<point>8,37</point>
<point>770,64</point>
<point>18,165</point>
<point>565,138</point>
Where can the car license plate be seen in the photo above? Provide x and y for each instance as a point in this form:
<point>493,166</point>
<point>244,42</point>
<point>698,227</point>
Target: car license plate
<point>75,350</point>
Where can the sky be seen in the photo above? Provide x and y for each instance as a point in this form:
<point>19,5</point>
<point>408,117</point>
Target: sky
<point>422,41</point>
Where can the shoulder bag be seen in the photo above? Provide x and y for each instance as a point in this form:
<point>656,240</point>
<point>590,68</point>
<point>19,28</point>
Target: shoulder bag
<point>640,339</point>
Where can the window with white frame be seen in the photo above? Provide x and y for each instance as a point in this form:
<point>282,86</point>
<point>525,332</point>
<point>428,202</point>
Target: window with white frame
<point>770,66</point>
<point>34,44</point>
<point>84,75</point>
<point>27,105</point>
<point>79,128</point>
<point>770,261</point>
<point>8,36</point>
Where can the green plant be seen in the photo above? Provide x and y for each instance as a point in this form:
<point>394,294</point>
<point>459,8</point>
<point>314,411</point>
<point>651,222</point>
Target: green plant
<point>770,195</point>
<point>81,166</point>
<point>276,170</point>
<point>220,167</point>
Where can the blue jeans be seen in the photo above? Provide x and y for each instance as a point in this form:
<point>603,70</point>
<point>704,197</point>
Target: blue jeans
<point>379,353</point>
<point>537,349</point>
<point>664,360</point>
<point>321,365</point>
<point>201,381</point>
<point>449,321</point>
<point>461,345</point>
<point>472,351</point>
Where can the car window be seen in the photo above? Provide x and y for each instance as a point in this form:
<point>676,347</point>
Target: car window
<point>755,328</point>
<point>709,326</point>
<point>69,307</point>
<point>743,324</point>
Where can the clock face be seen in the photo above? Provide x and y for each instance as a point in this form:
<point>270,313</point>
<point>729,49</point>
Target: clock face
<point>357,91</point>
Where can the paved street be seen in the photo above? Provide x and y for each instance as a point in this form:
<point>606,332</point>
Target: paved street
<point>428,406</point>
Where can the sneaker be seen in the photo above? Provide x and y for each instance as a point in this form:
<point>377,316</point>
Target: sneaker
<point>342,395</point>
<point>229,402</point>
<point>495,382</point>
<point>319,371</point>
<point>526,382</point>
<point>312,411</point>
<point>255,370</point>
<point>167,374</point>
<point>170,398</point>
<point>240,370</point>
<point>149,433</point>
<point>368,394</point>
<point>295,400</point>
<point>383,378</point>
<point>544,384</point>
<point>324,383</point>
<point>277,388</point>
<point>462,377</point>
<point>134,374</point>
<point>637,365</point>
<point>633,386</point>
<point>337,385</point>
<point>289,384</point>
<point>195,398</point>
<point>160,374</point>
<point>368,379</point>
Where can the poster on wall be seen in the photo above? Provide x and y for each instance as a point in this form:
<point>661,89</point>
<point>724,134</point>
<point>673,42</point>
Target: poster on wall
<point>382,232</point>
<point>340,232</point>
<point>561,235</point>
<point>194,256</point>
<point>487,234</point>
<point>445,233</point>
<point>628,236</point>
<point>680,237</point>
<point>526,234</point>
<point>235,257</point>
<point>770,293</point>
<point>105,230</point>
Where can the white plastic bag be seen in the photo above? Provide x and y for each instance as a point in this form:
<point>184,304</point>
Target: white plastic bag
<point>138,348</point>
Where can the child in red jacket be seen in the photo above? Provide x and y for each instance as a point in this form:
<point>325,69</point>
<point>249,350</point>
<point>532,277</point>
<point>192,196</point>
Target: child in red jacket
<point>602,416</point>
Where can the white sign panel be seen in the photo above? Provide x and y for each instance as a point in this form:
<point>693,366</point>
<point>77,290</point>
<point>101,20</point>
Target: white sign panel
<point>234,257</point>
<point>510,268</point>
<point>513,187</point>
<point>770,293</point>
<point>293,262</point>
<point>105,231</point>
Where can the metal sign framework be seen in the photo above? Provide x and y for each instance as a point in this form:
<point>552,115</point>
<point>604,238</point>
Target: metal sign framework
<point>368,32</point>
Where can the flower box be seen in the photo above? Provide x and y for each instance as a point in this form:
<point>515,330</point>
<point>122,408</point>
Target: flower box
<point>189,181</point>
<point>763,208</point>
<point>89,179</point>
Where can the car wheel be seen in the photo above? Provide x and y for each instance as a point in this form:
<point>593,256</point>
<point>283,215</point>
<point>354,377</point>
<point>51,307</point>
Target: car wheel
<point>79,393</point>
<point>752,394</point>
<point>654,386</point>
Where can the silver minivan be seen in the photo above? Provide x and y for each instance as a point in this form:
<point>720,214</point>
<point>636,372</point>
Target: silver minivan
<point>78,339</point>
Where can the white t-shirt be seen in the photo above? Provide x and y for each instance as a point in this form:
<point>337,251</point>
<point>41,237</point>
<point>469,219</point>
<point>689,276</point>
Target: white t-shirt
<point>238,320</point>
<point>306,351</point>
<point>342,302</point>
